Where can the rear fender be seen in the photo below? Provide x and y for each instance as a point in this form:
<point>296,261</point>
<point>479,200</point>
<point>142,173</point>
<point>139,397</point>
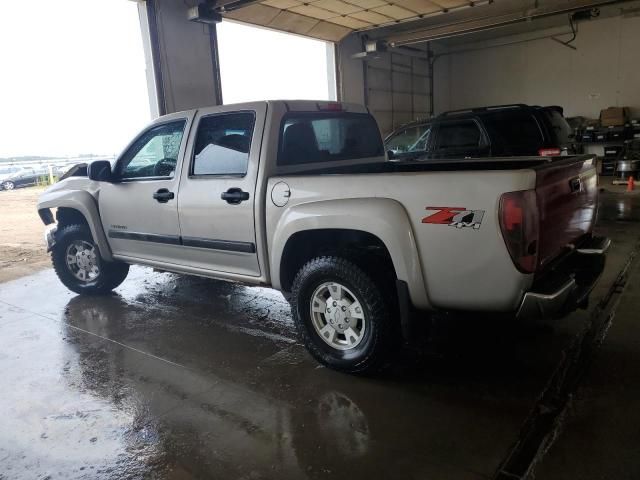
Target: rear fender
<point>384,218</point>
<point>84,203</point>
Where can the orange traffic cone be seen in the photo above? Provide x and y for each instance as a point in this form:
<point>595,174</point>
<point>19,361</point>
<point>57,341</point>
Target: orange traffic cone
<point>630,184</point>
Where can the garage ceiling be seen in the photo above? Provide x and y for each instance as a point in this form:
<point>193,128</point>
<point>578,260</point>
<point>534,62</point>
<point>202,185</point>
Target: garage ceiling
<point>334,19</point>
<point>402,22</point>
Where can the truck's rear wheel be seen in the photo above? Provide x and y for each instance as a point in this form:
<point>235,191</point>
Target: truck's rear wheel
<point>79,266</point>
<point>342,315</point>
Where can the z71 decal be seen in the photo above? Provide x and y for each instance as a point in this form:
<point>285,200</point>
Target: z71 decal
<point>455,217</point>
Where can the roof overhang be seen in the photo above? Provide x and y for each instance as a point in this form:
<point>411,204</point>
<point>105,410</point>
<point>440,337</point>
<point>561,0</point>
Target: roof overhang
<point>401,22</point>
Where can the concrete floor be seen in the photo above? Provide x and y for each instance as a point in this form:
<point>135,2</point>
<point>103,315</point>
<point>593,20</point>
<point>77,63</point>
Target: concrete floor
<point>175,377</point>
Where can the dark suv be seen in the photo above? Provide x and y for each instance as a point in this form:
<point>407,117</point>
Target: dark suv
<point>498,131</point>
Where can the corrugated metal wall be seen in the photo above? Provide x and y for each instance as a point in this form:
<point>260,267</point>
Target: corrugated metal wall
<point>397,89</point>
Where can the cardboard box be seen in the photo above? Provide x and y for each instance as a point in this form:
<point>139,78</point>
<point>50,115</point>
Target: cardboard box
<point>614,116</point>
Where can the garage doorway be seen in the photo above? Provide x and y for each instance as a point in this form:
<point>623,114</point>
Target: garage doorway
<point>261,64</point>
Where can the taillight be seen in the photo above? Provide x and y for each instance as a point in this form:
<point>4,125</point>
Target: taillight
<point>519,223</point>
<point>549,152</point>
<point>331,106</point>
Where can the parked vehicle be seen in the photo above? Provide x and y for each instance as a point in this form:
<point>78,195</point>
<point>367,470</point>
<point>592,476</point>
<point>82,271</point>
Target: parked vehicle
<point>6,172</point>
<point>499,131</point>
<point>22,176</point>
<point>299,196</point>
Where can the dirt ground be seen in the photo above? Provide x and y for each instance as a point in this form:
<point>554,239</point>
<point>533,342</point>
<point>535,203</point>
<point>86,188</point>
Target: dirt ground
<point>22,249</point>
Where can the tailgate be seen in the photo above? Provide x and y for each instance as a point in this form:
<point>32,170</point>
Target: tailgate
<point>567,194</point>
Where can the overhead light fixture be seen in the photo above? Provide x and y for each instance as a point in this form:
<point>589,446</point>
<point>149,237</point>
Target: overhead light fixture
<point>372,49</point>
<point>204,13</point>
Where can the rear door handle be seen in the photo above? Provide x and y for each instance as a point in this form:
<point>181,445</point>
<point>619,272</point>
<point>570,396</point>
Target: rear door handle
<point>163,195</point>
<point>234,196</point>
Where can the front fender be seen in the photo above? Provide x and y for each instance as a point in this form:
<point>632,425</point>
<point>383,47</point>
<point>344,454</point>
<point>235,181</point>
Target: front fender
<point>84,203</point>
<point>384,218</point>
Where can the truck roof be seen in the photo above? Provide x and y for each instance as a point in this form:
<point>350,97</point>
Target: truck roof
<point>290,105</point>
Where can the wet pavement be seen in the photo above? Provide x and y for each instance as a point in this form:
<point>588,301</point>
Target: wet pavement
<point>601,430</point>
<point>182,377</point>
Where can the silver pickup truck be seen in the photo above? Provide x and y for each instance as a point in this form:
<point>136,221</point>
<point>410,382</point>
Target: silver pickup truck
<point>300,196</point>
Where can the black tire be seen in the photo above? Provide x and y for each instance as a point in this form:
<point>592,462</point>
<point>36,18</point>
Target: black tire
<point>111,274</point>
<point>8,185</point>
<point>379,337</point>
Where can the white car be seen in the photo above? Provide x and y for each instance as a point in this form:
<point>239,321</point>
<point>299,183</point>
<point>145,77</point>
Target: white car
<point>299,195</point>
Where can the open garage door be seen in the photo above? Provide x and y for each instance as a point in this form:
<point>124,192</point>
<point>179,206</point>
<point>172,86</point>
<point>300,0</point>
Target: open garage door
<point>398,89</point>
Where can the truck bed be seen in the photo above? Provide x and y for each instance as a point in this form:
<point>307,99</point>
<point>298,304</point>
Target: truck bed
<point>446,165</point>
<point>471,260</point>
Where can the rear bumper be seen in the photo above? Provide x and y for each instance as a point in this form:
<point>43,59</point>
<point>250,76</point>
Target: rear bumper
<point>568,285</point>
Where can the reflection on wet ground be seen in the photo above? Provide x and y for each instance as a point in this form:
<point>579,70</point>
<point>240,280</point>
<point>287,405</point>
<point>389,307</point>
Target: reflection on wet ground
<point>177,377</point>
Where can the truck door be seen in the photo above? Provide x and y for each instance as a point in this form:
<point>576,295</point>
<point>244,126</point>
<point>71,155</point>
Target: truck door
<point>217,200</point>
<point>139,208</point>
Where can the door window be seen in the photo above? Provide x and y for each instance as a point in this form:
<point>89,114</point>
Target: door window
<point>463,134</point>
<point>411,139</point>
<point>222,144</point>
<point>513,133</point>
<point>154,154</point>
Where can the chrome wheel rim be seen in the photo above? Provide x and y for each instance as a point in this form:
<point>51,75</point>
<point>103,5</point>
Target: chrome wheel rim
<point>82,261</point>
<point>337,316</point>
<point>9,186</point>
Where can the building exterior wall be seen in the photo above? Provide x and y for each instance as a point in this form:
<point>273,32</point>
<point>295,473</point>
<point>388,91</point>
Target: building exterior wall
<point>604,71</point>
<point>181,58</point>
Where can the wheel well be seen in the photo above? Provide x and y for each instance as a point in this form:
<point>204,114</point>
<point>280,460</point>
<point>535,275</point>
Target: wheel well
<point>362,248</point>
<point>70,216</point>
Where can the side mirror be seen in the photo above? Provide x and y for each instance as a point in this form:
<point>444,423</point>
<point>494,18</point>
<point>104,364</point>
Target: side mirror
<point>100,171</point>
<point>391,154</point>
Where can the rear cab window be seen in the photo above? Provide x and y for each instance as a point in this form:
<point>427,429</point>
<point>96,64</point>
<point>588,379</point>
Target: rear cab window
<point>315,137</point>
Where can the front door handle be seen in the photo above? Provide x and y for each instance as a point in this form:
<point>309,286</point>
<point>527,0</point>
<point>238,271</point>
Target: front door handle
<point>163,195</point>
<point>234,196</point>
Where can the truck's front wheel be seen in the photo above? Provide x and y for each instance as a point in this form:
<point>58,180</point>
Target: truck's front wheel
<point>342,315</point>
<point>79,266</point>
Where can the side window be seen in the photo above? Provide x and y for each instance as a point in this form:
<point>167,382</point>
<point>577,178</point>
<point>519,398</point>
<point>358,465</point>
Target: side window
<point>513,133</point>
<point>154,153</point>
<point>222,144</point>
<point>562,132</point>
<point>412,139</point>
<point>463,134</point>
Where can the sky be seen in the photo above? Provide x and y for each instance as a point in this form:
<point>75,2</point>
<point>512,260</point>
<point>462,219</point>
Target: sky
<point>69,86</point>
<point>261,64</point>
